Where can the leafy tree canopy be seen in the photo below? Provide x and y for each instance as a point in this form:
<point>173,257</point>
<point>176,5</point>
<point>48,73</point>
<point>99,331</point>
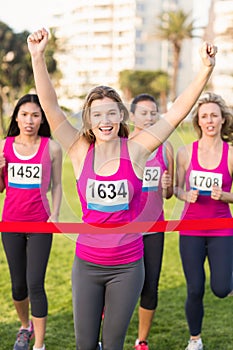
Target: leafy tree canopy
<point>16,77</point>
<point>134,82</point>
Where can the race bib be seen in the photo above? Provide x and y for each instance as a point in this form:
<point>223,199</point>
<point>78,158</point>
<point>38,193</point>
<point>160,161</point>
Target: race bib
<point>25,176</point>
<point>107,196</point>
<point>204,181</point>
<point>151,178</point>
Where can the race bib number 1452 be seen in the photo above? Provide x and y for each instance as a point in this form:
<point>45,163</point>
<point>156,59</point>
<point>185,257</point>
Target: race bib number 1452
<point>24,176</point>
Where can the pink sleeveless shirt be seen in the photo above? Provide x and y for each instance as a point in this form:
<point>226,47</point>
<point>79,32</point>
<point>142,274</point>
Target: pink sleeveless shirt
<point>109,199</point>
<point>151,198</point>
<point>27,183</point>
<point>203,179</point>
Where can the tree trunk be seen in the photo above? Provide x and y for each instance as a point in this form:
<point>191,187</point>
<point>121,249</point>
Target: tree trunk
<point>175,71</point>
<point>2,129</point>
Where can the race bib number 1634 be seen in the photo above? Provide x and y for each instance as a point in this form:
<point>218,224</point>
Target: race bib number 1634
<point>107,196</point>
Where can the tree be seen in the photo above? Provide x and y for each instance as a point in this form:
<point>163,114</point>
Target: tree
<point>16,77</point>
<point>15,70</point>
<point>175,27</point>
<point>134,82</point>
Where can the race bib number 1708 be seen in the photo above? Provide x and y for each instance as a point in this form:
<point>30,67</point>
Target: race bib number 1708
<point>204,181</point>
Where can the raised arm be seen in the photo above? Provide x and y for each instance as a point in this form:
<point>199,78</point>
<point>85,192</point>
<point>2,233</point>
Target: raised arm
<point>60,126</point>
<point>153,136</point>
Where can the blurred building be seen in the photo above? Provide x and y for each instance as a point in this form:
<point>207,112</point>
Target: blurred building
<point>223,33</point>
<point>103,37</point>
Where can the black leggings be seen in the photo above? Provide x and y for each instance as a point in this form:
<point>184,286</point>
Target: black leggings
<point>194,250</point>
<point>153,254</point>
<point>27,256</point>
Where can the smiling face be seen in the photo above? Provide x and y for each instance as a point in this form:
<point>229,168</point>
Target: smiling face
<point>145,114</point>
<point>105,118</point>
<point>29,118</point>
<point>210,119</point>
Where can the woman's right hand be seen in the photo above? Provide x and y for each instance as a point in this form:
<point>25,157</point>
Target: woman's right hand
<point>191,196</point>
<point>37,41</point>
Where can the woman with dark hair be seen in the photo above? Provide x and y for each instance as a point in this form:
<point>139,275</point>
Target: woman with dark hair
<point>14,130</point>
<point>157,186</point>
<point>108,268</point>
<point>30,164</point>
<point>204,181</point>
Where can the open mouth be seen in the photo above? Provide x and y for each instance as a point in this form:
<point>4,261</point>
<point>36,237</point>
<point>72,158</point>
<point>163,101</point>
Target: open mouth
<point>106,128</point>
<point>28,128</point>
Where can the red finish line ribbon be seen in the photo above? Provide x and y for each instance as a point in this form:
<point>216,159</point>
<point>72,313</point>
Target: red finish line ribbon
<point>106,228</point>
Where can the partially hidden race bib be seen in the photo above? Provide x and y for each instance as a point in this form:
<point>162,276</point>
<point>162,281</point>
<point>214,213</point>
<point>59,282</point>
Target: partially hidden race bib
<point>24,176</point>
<point>204,181</point>
<point>107,196</point>
<point>151,178</point>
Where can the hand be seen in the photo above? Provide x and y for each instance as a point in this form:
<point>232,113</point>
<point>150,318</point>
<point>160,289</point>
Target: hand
<point>166,180</point>
<point>207,53</point>
<point>53,218</point>
<point>191,196</point>
<point>37,41</point>
<point>216,193</point>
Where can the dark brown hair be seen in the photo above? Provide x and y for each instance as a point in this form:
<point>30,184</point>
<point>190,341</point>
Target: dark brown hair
<point>13,129</point>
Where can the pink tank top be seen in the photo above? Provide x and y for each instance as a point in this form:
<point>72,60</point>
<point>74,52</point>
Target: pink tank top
<point>27,183</point>
<point>151,198</point>
<point>203,179</point>
<point>109,199</point>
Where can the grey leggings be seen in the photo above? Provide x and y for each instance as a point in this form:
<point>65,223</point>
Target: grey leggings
<point>114,288</point>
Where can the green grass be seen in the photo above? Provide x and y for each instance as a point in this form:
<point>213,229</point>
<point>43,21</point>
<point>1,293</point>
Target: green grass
<point>169,330</point>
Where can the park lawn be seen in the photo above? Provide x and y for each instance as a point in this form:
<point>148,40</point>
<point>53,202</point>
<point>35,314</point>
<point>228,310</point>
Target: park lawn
<point>169,330</point>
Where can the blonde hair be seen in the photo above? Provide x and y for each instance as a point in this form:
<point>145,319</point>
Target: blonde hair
<point>98,93</point>
<point>227,127</point>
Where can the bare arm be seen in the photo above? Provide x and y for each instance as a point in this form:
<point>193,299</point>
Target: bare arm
<point>182,161</point>
<point>168,175</point>
<point>153,136</point>
<point>56,186</point>
<point>217,192</point>
<point>62,129</point>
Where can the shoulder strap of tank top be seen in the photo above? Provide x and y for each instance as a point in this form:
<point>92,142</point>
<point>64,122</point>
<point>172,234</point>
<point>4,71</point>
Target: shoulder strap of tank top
<point>195,152</point>
<point>124,148</point>
<point>8,143</point>
<point>88,161</point>
<point>44,142</point>
<point>225,150</point>
<point>164,154</point>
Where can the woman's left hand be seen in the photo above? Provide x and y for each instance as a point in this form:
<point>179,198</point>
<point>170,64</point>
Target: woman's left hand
<point>216,193</point>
